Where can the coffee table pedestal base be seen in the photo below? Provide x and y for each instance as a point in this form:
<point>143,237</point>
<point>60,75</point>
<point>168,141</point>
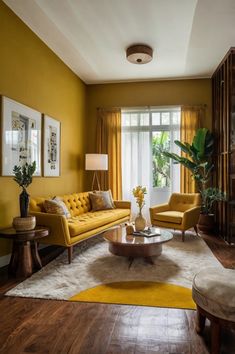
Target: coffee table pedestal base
<point>145,251</point>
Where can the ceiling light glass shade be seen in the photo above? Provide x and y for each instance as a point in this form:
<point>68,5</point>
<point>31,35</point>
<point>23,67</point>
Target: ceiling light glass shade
<point>139,54</point>
<point>96,162</point>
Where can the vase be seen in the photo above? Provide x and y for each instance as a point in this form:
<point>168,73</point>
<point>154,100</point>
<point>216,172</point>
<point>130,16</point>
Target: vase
<point>140,222</point>
<point>24,203</point>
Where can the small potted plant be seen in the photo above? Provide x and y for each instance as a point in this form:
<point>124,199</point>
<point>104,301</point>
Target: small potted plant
<point>209,197</point>
<point>23,176</point>
<point>138,193</point>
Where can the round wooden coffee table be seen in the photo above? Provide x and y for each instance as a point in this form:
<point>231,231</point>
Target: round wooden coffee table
<point>131,246</point>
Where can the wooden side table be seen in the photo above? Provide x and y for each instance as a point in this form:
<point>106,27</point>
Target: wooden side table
<point>24,256</point>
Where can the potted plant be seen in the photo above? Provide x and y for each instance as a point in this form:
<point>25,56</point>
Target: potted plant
<point>209,197</point>
<point>23,176</point>
<point>199,162</point>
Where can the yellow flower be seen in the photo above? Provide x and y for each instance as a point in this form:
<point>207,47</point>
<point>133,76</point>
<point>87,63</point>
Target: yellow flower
<point>138,193</point>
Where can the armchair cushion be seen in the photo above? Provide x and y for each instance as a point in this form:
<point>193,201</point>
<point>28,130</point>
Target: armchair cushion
<point>170,216</point>
<point>184,201</point>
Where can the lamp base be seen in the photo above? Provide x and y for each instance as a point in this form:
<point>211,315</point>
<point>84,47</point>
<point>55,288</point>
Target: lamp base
<point>95,178</point>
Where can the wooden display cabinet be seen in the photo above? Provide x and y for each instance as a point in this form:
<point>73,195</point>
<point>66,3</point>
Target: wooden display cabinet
<point>223,95</point>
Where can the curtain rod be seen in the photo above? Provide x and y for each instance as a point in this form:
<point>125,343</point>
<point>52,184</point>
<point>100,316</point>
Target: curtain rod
<point>204,105</point>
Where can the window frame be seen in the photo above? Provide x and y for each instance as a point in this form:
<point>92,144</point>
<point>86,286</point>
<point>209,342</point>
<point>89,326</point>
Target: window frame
<point>154,128</point>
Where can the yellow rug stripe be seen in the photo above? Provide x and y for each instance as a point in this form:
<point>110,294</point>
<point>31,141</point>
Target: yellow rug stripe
<point>139,293</point>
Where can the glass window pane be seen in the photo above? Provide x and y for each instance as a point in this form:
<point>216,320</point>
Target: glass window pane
<point>155,118</point>
<point>161,163</point>
<point>144,119</point>
<point>125,119</point>
<point>165,118</point>
<point>176,118</point>
<point>134,120</point>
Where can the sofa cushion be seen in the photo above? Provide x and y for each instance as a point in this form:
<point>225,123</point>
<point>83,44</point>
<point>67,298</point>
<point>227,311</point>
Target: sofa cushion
<point>91,220</point>
<point>77,203</point>
<point>169,216</point>
<point>101,200</point>
<point>56,206</point>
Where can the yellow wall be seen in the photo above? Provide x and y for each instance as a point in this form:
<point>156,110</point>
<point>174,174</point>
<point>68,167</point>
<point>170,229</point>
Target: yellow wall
<point>154,93</point>
<point>32,74</point>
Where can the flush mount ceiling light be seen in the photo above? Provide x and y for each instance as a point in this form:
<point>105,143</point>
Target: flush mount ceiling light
<point>139,54</point>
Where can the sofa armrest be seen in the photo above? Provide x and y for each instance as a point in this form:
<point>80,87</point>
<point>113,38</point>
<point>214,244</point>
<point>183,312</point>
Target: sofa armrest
<point>58,228</point>
<point>122,204</point>
<point>157,209</point>
<point>191,217</point>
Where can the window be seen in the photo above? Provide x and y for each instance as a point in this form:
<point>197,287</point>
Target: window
<point>145,134</point>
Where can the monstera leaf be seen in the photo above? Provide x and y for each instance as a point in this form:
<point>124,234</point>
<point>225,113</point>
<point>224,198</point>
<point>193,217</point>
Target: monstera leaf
<point>198,156</point>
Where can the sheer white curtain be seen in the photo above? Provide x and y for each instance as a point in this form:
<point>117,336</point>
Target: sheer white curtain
<point>137,160</point>
<point>136,167</point>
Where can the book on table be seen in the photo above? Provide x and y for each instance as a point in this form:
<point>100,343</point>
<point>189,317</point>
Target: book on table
<point>150,232</point>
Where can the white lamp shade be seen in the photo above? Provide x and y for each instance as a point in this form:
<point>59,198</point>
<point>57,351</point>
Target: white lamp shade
<point>96,162</point>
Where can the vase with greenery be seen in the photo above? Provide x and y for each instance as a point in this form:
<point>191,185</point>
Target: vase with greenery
<point>198,160</point>
<point>138,193</point>
<point>23,176</point>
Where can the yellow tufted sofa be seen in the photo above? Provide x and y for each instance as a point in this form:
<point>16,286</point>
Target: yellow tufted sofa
<point>180,213</point>
<point>84,223</point>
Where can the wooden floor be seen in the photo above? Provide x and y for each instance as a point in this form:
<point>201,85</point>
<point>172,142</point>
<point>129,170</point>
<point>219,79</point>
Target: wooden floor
<point>48,326</point>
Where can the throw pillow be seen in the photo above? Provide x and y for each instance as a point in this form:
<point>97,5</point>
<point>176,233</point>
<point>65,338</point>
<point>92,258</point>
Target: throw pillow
<point>56,206</point>
<point>101,200</point>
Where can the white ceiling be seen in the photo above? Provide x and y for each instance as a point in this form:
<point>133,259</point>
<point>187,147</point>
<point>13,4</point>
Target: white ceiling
<point>189,37</point>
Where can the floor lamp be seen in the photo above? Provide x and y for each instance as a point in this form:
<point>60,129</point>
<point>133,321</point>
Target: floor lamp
<point>96,162</point>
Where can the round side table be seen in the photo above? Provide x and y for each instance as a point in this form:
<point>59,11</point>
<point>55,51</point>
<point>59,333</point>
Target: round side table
<point>24,256</point>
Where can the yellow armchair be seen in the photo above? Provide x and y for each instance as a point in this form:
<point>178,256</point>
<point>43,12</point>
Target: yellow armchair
<point>180,213</point>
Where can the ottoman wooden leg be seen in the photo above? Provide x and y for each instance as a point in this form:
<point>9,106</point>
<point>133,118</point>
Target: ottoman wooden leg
<point>215,337</point>
<point>200,321</point>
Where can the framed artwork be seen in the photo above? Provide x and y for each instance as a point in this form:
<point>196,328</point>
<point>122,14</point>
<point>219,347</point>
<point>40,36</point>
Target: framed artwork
<point>51,147</point>
<point>21,136</point>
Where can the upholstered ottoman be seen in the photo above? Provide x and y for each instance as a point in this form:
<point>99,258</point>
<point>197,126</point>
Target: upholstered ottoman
<point>214,294</point>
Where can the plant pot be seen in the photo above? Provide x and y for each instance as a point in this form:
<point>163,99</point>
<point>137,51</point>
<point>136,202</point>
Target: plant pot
<point>24,224</point>
<point>206,223</point>
<point>140,223</point>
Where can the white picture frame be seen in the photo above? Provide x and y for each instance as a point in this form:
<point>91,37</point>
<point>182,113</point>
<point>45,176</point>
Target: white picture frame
<point>21,136</point>
<point>51,146</point>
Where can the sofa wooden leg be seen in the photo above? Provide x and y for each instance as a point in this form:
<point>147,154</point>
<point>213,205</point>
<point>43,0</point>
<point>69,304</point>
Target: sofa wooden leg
<point>195,229</point>
<point>183,236</point>
<point>70,254</point>
<point>200,322</point>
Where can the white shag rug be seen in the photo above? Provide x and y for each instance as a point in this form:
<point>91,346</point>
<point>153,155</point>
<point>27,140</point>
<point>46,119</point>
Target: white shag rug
<point>94,265</point>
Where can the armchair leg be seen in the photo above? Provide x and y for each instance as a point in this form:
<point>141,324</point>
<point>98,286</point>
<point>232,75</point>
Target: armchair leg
<point>182,236</point>
<point>70,254</point>
<point>195,229</point>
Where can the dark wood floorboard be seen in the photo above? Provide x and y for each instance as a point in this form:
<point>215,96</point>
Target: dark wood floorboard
<point>54,327</point>
<point>47,326</point>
